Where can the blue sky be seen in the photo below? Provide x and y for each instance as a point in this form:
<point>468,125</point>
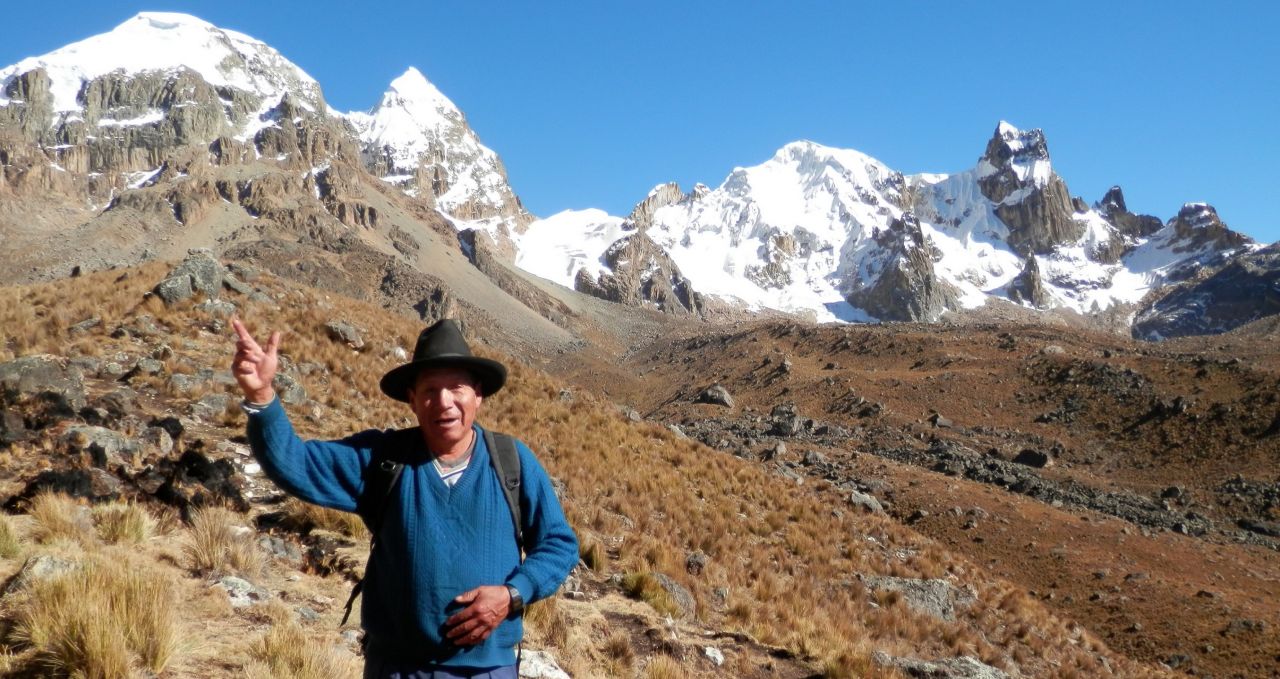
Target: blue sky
<point>590,104</point>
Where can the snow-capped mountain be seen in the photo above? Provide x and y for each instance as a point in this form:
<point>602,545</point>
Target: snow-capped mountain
<point>419,141</point>
<point>169,121</point>
<point>96,82</point>
<point>839,235</point>
<point>112,108</point>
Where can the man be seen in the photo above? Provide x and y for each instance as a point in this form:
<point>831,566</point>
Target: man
<point>445,585</point>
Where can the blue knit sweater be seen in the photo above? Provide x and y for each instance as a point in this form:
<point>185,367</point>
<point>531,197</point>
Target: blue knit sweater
<point>436,541</point>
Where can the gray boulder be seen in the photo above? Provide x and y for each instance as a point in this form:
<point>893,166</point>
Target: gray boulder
<point>37,568</point>
<point>218,308</point>
<point>342,331</point>
<point>174,290</point>
<point>104,446</point>
<point>199,272</point>
<point>42,374</point>
<point>158,438</point>
<point>715,395</point>
<point>241,592</point>
<point>210,407</point>
<point>963,667</point>
<point>205,271</point>
<point>289,389</point>
<point>540,665</point>
<point>679,595</point>
<point>936,598</point>
<point>865,502</point>
<point>230,282</point>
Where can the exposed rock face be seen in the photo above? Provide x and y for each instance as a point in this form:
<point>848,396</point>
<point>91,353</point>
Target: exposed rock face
<point>42,376</point>
<point>1112,208</point>
<point>1197,226</point>
<point>1243,291</point>
<point>907,289</point>
<point>199,272</point>
<point>937,598</point>
<point>1028,288</point>
<point>963,667</point>
<point>417,140</point>
<point>641,217</point>
<point>1030,198</point>
<point>642,273</point>
<point>129,120</point>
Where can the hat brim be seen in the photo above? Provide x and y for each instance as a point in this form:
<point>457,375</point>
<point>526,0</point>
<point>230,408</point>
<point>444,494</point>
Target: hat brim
<point>397,382</point>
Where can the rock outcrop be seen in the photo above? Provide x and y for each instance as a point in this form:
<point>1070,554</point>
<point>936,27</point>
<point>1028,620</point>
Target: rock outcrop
<point>642,274</point>
<point>1015,175</point>
<point>1243,291</point>
<point>1112,208</point>
<point>907,288</point>
<point>1028,287</point>
<point>418,141</point>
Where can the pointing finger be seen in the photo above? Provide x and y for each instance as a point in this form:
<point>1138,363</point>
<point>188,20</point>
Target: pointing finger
<point>240,329</point>
<point>273,344</point>
<point>245,337</point>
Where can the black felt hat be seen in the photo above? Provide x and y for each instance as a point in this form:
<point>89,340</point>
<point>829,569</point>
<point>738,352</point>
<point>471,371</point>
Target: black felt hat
<point>442,346</point>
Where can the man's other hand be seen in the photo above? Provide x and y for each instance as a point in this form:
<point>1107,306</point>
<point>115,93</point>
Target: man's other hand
<point>487,607</point>
<point>253,366</point>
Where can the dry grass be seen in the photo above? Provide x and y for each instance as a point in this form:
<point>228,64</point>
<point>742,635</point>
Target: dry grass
<point>617,648</point>
<point>664,667</point>
<point>219,543</point>
<point>101,620</point>
<point>57,517</point>
<point>123,523</point>
<point>592,554</point>
<point>645,587</point>
<point>640,498</point>
<point>305,517</point>
<point>286,652</point>
<point>546,621</point>
<point>10,545</point>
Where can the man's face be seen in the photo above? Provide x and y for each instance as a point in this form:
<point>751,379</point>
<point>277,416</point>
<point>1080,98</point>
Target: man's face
<point>445,401</point>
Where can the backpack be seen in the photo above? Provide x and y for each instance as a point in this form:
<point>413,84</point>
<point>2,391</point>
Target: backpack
<point>383,473</point>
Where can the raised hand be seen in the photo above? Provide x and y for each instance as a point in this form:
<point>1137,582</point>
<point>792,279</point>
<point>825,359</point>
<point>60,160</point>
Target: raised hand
<point>253,366</point>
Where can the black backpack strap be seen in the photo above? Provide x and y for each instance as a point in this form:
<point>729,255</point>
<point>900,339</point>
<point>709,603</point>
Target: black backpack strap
<point>381,477</point>
<point>506,462</point>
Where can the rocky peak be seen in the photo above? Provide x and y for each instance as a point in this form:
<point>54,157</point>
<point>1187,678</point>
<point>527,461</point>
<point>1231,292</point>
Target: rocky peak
<point>1198,225</point>
<point>417,140</point>
<point>641,273</point>
<point>1241,292</point>
<point>1112,202</point>
<point>104,110</point>
<point>1028,286</point>
<point>164,42</point>
<point>1014,159</point>
<point>905,287</point>
<point>1016,175</point>
<point>660,196</point>
<point>1113,210</point>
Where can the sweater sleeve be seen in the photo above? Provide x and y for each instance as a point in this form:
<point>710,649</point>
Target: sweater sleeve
<point>326,473</point>
<point>551,548</point>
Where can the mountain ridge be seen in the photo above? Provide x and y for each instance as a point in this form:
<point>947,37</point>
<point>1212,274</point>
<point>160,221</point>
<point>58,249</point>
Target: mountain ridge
<point>117,134</point>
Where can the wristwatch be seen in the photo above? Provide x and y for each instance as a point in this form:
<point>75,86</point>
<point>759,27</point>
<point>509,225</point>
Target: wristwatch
<point>517,601</point>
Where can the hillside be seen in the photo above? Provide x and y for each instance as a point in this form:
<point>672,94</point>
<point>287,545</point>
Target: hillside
<point>756,571</point>
<point>1132,487</point>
